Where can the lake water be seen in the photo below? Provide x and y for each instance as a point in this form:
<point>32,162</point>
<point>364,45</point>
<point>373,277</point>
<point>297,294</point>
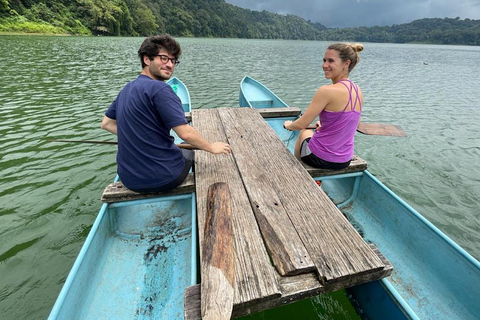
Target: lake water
<point>59,87</point>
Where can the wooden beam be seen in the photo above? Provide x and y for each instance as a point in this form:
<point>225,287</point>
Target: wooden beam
<point>217,255</point>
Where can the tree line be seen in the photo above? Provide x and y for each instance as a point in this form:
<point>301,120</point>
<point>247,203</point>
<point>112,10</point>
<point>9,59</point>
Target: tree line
<point>211,18</point>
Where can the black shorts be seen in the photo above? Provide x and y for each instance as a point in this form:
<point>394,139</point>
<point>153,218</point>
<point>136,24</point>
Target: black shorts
<point>309,158</point>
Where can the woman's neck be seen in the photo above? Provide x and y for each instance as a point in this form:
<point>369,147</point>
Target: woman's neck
<point>340,78</point>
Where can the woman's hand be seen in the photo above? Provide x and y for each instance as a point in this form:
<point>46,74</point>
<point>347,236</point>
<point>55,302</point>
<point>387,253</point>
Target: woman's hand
<point>317,126</point>
<point>286,124</point>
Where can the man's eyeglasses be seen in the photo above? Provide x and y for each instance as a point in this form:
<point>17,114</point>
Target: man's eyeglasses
<point>165,59</point>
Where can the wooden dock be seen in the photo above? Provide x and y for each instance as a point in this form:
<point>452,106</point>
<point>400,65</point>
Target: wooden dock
<point>290,240</point>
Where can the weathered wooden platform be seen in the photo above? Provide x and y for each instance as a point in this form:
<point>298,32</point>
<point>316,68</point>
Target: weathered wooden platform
<point>291,241</point>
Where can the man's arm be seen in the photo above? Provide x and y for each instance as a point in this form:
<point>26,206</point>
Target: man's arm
<point>193,137</point>
<point>109,125</point>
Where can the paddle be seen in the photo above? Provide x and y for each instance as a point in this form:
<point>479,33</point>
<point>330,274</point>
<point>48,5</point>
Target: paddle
<point>218,255</point>
<point>180,145</point>
<point>377,129</point>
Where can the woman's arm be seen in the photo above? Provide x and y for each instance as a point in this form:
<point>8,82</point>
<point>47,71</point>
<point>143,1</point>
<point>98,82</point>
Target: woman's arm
<point>319,102</point>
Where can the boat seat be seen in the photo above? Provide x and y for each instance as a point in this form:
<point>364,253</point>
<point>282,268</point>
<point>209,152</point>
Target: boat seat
<point>116,192</point>
<point>262,103</point>
<point>357,165</point>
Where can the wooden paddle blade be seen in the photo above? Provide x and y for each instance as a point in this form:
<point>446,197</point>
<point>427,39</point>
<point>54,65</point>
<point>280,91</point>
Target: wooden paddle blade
<point>380,129</point>
<point>218,256</point>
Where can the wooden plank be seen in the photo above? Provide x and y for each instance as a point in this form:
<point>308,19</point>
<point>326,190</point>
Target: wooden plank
<point>255,278</point>
<point>116,192</point>
<point>279,112</point>
<point>293,289</point>
<point>283,243</point>
<point>217,255</point>
<point>337,250</point>
<point>267,112</point>
<point>356,165</point>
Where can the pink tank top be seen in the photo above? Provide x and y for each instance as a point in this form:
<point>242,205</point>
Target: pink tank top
<point>334,141</point>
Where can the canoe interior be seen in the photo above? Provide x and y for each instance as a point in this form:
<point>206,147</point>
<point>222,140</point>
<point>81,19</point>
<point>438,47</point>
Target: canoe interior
<point>289,138</point>
<point>182,92</point>
<point>136,262</point>
<point>436,278</point>
<point>255,95</point>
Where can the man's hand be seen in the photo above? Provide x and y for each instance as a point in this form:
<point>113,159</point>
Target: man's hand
<point>220,148</point>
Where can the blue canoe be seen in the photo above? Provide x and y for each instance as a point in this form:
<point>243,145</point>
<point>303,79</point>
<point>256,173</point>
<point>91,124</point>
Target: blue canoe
<point>182,92</point>
<point>133,249</point>
<point>433,277</point>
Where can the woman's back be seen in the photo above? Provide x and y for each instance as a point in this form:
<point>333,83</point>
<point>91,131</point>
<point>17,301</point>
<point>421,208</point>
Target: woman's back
<point>344,92</point>
<point>334,140</point>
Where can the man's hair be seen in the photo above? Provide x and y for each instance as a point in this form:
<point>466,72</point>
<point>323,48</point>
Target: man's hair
<point>153,44</point>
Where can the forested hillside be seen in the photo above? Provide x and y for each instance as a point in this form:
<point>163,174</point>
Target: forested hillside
<point>210,18</point>
<point>438,31</point>
<point>199,18</point>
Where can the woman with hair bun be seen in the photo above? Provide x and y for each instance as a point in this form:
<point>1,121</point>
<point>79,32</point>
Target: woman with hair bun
<point>339,107</point>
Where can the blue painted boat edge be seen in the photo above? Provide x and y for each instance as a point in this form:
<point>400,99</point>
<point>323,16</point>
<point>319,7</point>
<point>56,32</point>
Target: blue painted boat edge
<point>193,279</point>
<point>242,101</point>
<point>443,236</point>
<point>78,261</point>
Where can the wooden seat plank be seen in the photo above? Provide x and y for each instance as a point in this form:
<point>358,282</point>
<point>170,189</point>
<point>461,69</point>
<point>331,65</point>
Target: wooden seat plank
<point>283,243</point>
<point>356,165</point>
<point>116,192</point>
<point>279,112</point>
<point>255,278</point>
<point>337,250</point>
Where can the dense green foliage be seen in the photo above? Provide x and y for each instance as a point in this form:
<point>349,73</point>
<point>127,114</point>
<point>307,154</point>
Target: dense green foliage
<point>210,18</point>
<point>199,18</point>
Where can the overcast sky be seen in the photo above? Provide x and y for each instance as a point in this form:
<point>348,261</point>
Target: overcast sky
<point>356,13</point>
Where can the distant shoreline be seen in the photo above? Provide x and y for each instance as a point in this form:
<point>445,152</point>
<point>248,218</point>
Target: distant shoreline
<point>16,33</point>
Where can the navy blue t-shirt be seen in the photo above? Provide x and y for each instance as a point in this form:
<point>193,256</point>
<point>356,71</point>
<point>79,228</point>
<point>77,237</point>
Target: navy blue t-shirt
<point>145,111</point>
